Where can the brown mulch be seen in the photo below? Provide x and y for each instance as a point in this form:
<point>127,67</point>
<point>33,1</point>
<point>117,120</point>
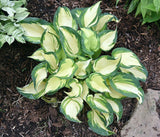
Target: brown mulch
<point>23,117</point>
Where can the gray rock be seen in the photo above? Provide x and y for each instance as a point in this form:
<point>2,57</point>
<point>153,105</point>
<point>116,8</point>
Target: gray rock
<point>145,121</point>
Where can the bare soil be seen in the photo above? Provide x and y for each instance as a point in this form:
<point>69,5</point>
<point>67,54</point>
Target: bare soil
<point>34,118</point>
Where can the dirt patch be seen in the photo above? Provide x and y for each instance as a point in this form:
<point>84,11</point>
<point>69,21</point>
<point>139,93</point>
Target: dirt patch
<point>22,117</point>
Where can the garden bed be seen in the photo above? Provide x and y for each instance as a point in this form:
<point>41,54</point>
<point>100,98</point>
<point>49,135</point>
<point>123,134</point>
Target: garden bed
<point>23,117</point>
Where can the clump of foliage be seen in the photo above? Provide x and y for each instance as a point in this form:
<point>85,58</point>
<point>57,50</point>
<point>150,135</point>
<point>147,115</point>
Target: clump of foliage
<point>149,9</point>
<point>71,60</point>
<point>11,13</point>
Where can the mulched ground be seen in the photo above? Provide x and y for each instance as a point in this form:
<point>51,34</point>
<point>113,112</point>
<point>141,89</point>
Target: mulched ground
<point>22,117</point>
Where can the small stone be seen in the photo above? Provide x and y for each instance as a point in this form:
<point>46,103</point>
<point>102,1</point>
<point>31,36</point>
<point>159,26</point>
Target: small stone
<point>145,121</point>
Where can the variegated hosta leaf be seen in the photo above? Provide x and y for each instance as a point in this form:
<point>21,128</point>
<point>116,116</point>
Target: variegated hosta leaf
<point>90,41</point>
<point>104,18</point>
<point>49,42</point>
<point>83,69</point>
<point>128,58</point>
<point>106,65</point>
<point>66,69</point>
<point>39,73</point>
<point>99,103</point>
<point>89,16</point>
<point>63,17</point>
<point>61,54</point>
<point>70,107</point>
<point>77,12</point>
<point>97,83</point>
<point>33,29</point>
<point>76,88</point>
<point>116,106</point>
<point>108,117</point>
<point>30,92</point>
<point>54,84</point>
<point>51,29</point>
<point>38,55</point>
<point>85,91</point>
<point>97,123</point>
<point>108,39</point>
<point>138,72</point>
<point>33,32</point>
<point>70,40</point>
<point>115,94</point>
<point>52,61</point>
<point>128,86</point>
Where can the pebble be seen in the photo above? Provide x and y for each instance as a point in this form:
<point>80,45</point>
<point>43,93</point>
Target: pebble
<point>145,121</point>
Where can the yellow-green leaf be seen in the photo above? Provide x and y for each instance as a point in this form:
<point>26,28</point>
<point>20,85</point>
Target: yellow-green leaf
<point>49,42</point>
<point>138,72</point>
<point>63,17</point>
<point>104,18</point>
<point>70,40</point>
<point>76,88</point>
<point>108,118</point>
<point>52,60</point>
<point>85,91</point>
<point>70,107</point>
<point>97,123</point>
<point>128,58</point>
<point>99,103</point>
<point>54,84</point>
<point>66,69</point>
<point>128,86</point>
<point>39,73</point>
<point>97,83</point>
<point>30,92</point>
<point>90,41</point>
<point>89,16</point>
<point>106,65</point>
<point>33,32</point>
<point>108,39</point>
<point>38,55</point>
<point>116,107</point>
<point>82,72</point>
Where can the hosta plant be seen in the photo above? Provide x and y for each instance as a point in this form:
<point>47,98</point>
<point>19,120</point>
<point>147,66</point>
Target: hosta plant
<point>71,62</point>
<point>149,9</point>
<point>11,13</point>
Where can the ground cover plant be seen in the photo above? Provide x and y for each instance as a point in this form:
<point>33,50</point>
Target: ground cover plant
<point>149,9</point>
<point>11,13</point>
<point>71,60</point>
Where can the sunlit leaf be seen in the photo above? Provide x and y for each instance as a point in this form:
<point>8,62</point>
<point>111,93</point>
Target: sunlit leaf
<point>108,39</point>
<point>76,88</point>
<point>30,92</point>
<point>70,107</point>
<point>70,40</point>
<point>66,69</point>
<point>38,55</point>
<point>128,86</point>
<point>103,20</point>
<point>98,102</point>
<point>39,73</point>
<point>90,41</point>
<point>54,84</point>
<point>97,83</point>
<point>106,65</point>
<point>89,16</point>
<point>83,69</point>
<point>97,123</point>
